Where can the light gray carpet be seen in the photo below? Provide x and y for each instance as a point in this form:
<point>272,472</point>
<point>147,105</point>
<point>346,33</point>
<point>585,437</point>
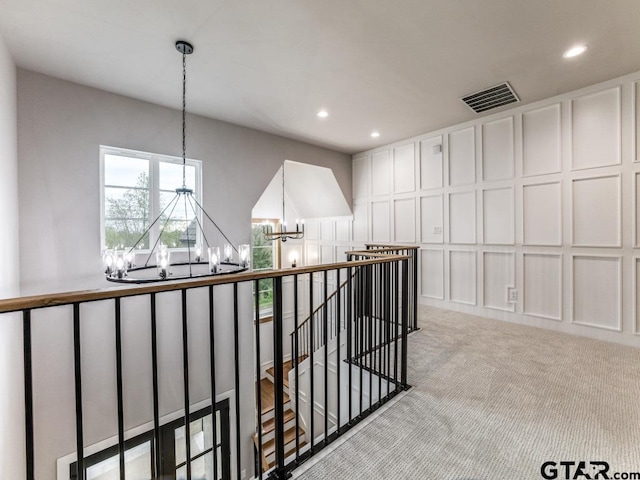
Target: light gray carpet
<point>493,400</point>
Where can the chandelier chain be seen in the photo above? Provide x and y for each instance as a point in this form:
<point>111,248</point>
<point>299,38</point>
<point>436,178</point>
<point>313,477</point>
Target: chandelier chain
<point>184,118</point>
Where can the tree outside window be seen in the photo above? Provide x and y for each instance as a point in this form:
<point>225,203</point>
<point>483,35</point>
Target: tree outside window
<point>136,188</point>
<point>265,257</point>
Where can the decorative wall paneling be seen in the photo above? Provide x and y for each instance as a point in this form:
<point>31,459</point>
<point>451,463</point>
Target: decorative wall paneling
<point>462,276</point>
<point>543,198</point>
<point>597,291</point>
<point>432,271</point>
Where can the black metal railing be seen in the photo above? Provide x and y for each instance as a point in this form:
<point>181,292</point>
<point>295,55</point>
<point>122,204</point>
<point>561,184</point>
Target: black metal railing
<point>352,352</point>
<point>328,312</point>
<point>412,252</point>
<point>354,338</point>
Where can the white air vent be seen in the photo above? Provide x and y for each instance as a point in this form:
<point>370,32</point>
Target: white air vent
<point>490,98</point>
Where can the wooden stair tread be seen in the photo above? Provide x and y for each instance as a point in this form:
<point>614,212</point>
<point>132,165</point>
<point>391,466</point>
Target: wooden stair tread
<point>267,395</point>
<point>289,436</point>
<point>270,425</point>
<point>286,369</point>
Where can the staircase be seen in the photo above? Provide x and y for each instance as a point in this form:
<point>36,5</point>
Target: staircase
<point>267,396</point>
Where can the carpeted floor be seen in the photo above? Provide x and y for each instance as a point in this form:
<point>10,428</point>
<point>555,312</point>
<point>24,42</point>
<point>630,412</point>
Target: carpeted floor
<point>493,400</point>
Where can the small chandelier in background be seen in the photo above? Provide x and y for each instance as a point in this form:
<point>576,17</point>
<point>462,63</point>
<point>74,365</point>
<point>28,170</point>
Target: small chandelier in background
<point>283,234</point>
<point>120,264</point>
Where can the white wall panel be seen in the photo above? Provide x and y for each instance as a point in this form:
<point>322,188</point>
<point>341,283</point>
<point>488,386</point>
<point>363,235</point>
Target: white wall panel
<point>404,169</point>
<point>542,287</point>
<point>431,168</point>
<point>498,216</point>
<point>360,222</point>
<point>432,219</point>
<point>497,150</point>
<point>636,120</point>
<point>541,141</point>
<point>326,254</point>
<point>380,173</point>
<point>312,229</point>
<point>462,217</point>
<point>636,207</point>
<point>462,157</point>
<point>596,211</point>
<point>312,254</point>
<point>361,177</point>
<point>636,294</point>
<point>542,214</point>
<point>326,230</point>
<point>597,291</point>
<point>380,221</point>
<point>404,220</point>
<point>596,129</point>
<point>499,274</point>
<point>462,277</point>
<point>432,273</point>
<point>343,230</point>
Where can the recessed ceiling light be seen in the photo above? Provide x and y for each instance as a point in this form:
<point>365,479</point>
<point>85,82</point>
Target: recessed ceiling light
<point>575,51</point>
<point>375,134</point>
<point>323,114</point>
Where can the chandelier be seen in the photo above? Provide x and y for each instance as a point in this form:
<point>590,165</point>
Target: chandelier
<point>283,234</point>
<point>163,262</point>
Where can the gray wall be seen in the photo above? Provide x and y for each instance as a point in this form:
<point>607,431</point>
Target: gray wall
<point>11,426</point>
<point>60,127</point>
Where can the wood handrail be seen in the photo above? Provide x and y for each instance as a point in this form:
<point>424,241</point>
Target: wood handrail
<point>387,247</point>
<point>81,296</point>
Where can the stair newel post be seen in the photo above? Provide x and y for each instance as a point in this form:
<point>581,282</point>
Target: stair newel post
<point>405,322</point>
<point>280,472</point>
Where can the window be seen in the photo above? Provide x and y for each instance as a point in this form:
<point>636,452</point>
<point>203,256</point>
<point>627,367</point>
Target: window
<point>139,453</point>
<point>136,189</point>
<point>265,256</point>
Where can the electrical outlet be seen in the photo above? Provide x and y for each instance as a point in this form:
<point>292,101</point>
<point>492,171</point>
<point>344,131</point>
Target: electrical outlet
<point>512,294</point>
<point>437,230</point>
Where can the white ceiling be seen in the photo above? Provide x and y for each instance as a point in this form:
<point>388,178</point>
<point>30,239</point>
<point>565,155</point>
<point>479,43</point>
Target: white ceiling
<point>397,66</point>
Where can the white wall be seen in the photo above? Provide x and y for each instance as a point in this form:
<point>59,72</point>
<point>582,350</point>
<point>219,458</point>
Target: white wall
<point>60,128</point>
<point>543,198</point>
<point>11,383</point>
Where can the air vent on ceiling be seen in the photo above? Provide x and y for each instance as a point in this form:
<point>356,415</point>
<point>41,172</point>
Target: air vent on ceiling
<point>490,98</point>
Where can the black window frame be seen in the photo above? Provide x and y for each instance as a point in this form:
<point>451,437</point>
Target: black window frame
<point>167,446</point>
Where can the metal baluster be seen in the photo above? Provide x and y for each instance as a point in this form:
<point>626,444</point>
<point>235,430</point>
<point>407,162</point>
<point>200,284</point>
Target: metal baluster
<point>212,371</point>
<point>154,372</point>
<point>297,363</point>
<point>185,366</point>
<point>256,288</point>
<point>278,378</point>
<point>350,338</point>
<point>311,367</point>
<point>325,319</point>
<point>28,394</point>
<point>338,364</point>
<point>119,389</point>
<point>405,321</point>
<point>236,361</point>
<point>77,356</point>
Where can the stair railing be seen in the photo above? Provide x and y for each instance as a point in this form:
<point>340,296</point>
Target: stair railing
<point>170,324</point>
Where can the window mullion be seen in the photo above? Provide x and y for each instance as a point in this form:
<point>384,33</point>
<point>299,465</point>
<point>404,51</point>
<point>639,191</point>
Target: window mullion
<point>154,198</point>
